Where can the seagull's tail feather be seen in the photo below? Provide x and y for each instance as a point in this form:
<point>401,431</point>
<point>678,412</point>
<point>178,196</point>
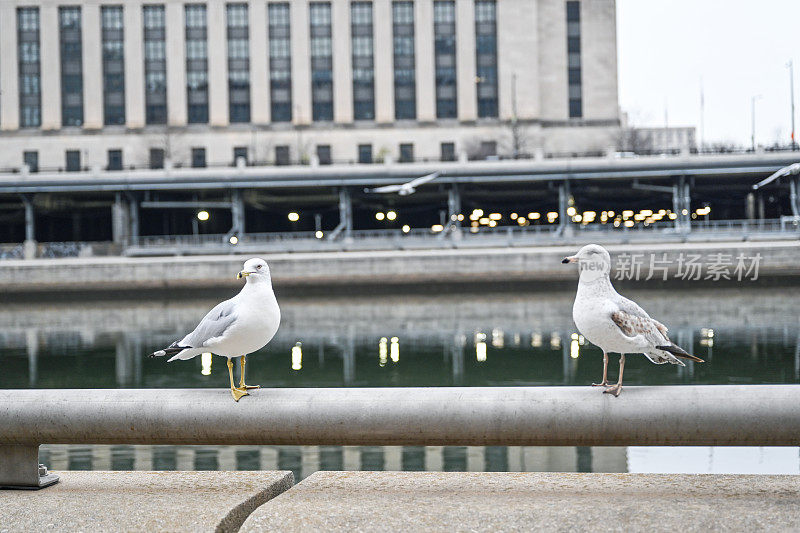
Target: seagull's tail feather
<point>186,353</point>
<point>172,350</point>
<point>677,351</point>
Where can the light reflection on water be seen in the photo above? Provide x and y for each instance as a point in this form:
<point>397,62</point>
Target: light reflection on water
<point>746,336</point>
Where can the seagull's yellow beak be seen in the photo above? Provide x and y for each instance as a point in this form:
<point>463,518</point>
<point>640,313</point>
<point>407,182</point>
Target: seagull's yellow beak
<point>243,274</point>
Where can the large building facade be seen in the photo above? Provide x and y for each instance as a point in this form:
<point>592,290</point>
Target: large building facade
<point>105,84</point>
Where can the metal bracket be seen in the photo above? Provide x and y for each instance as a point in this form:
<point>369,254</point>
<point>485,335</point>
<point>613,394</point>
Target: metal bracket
<point>20,468</point>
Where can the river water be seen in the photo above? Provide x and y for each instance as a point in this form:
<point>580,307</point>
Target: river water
<point>464,338</point>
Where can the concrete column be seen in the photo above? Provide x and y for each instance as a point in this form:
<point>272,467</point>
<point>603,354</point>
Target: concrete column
<point>92,68</point>
<point>609,459</point>
<point>517,47</point>
<point>563,205</point>
<point>143,458</point>
<point>309,460</point>
<point>101,457</point>
<point>217,64</point>
<point>9,74</point>
<point>465,61</point>
<point>134,64</point>
<point>59,457</point>
<point>453,206</point>
<point>259,63</point>
<point>176,64</point>
<point>393,458</point>
<point>184,458</point>
<point>351,458</point>
<point>226,458</point>
<point>268,458</point>
<point>475,459</point>
<point>32,345</point>
<point>434,459</point>
<point>426,80</point>
<point>237,213</point>
<point>133,214</point>
<point>342,63</point>
<point>384,59</point>
<point>301,64</point>
<point>120,221</point>
<point>50,61</point>
<point>30,228</point>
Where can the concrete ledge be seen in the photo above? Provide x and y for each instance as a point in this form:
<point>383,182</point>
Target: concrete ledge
<point>456,501</point>
<point>142,501</point>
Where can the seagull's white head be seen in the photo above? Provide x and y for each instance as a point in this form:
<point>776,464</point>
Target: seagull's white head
<point>255,269</point>
<point>593,260</point>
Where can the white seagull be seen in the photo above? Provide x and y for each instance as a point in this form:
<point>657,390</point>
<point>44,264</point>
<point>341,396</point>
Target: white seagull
<point>405,189</point>
<point>235,327</point>
<point>614,323</point>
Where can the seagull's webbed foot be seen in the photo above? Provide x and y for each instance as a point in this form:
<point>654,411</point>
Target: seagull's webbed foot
<point>238,393</point>
<point>615,390</point>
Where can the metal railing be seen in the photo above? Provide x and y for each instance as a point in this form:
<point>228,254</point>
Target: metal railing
<point>723,415</point>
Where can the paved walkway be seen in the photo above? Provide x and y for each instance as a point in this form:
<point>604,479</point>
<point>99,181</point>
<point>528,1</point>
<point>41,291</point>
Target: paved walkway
<point>141,501</point>
<point>455,501</point>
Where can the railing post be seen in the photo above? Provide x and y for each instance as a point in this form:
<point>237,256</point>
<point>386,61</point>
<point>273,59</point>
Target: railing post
<point>20,468</point>
<point>29,247</point>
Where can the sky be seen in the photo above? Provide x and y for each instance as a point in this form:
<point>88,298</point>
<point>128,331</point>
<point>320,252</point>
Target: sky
<point>733,49</point>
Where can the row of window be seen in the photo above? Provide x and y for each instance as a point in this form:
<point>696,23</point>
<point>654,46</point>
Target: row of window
<point>157,156</point>
<point>237,21</point>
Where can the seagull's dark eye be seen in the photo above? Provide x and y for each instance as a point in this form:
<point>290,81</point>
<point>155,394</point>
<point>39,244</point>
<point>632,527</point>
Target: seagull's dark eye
<point>259,266</point>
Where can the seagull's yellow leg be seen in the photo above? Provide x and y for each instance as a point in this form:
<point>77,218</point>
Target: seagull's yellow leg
<point>236,393</point>
<point>242,386</point>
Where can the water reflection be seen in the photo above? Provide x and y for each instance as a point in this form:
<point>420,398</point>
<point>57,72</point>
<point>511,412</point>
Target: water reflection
<point>746,336</point>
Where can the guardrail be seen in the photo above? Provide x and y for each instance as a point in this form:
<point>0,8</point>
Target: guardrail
<point>723,415</point>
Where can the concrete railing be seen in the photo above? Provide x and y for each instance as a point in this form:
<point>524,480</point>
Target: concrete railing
<point>756,415</point>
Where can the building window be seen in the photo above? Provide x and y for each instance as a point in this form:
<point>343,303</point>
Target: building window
<point>282,155</point>
<point>280,63</point>
<point>31,159</point>
<point>405,85</point>
<point>447,151</point>
<point>488,150</point>
<point>196,63</point>
<point>240,153</point>
<point>157,158</point>
<point>198,157</point>
<point>238,63</point>
<point>73,160</point>
<point>406,152</point>
<point>114,160</point>
<point>486,56</point>
<point>324,154</point>
<point>444,36</point>
<point>111,25</point>
<point>30,94</point>
<point>363,61</point>
<point>69,32</point>
<point>155,64</point>
<point>574,73</point>
<point>321,61</point>
<point>365,153</point>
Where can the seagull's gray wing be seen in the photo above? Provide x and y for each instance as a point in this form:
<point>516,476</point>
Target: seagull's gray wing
<point>212,326</point>
<point>385,188</point>
<point>424,179</point>
<point>632,308</point>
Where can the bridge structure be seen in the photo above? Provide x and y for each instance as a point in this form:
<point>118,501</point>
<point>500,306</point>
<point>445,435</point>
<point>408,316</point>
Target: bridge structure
<point>208,210</point>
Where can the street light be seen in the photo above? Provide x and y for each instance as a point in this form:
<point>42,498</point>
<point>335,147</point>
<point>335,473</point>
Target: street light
<point>753,120</point>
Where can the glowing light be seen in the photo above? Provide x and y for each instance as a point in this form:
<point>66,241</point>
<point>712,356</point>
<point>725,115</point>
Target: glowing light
<point>577,218</point>
<point>685,212</point>
<point>571,211</point>
<point>534,216</point>
<point>318,234</point>
<point>234,239</point>
<point>406,228</point>
<point>514,216</point>
<point>574,349</point>
<point>627,214</point>
<point>293,217</point>
<point>616,223</point>
<point>436,228</point>
<point>522,221</point>
<point>492,223</point>
<point>382,351</point>
<point>478,213</point>
<point>555,341</point>
<point>480,347</point>
<point>391,215</point>
<point>379,215</point>
<point>629,223</point>
<point>203,215</point>
<point>205,363</point>
<point>646,212</point>
<point>610,214</point>
<point>536,340</point>
<point>394,350</point>
<point>673,216</point>
<point>498,338</point>
<point>484,221</point>
<point>495,216</point>
<point>552,216</point>
<point>297,356</point>
<point>460,218</point>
